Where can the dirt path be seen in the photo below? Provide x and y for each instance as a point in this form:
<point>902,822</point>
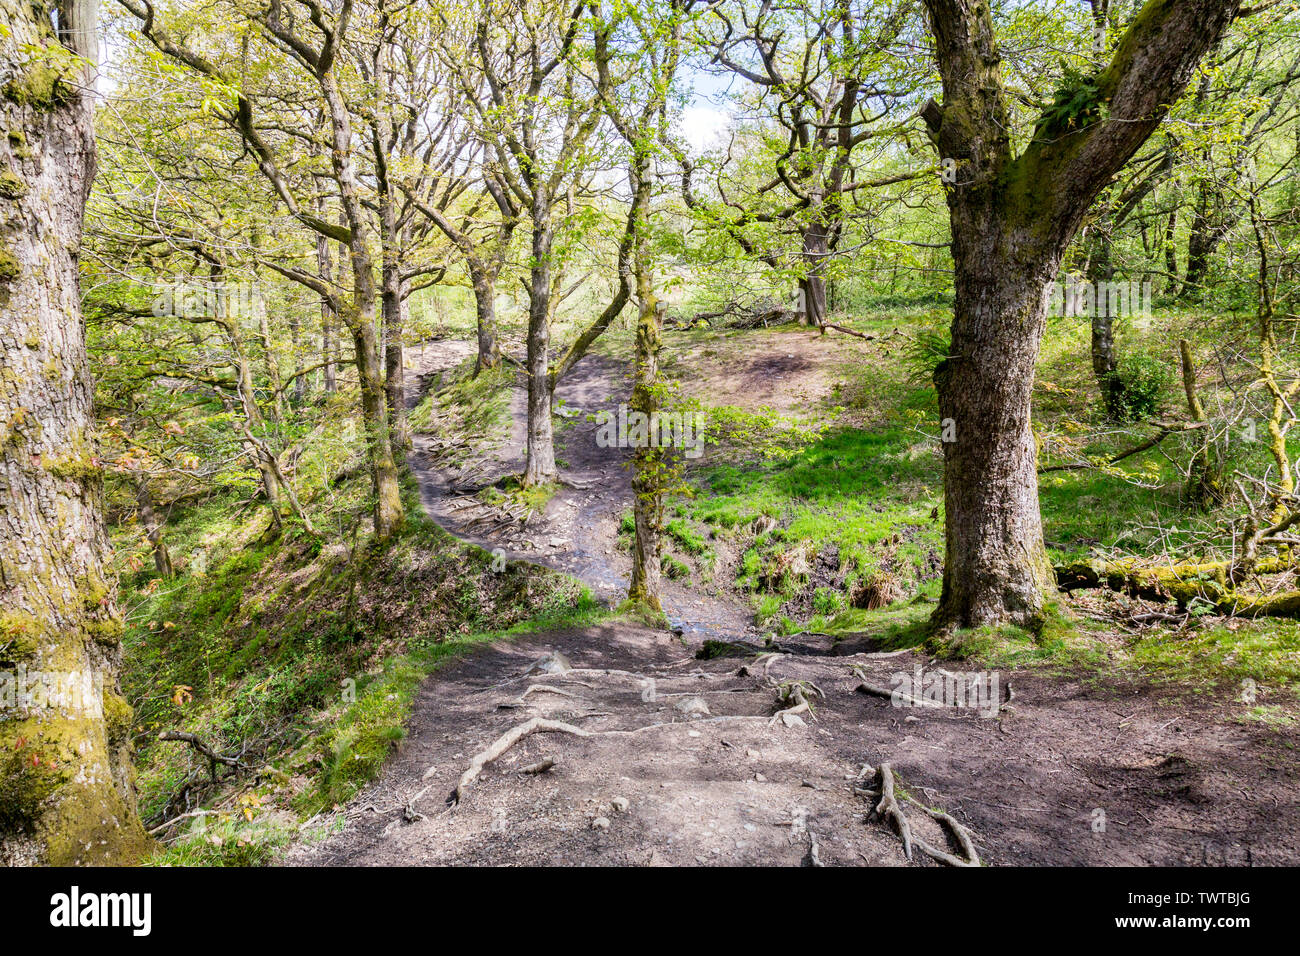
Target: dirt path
<point>680,761</point>
<point>1066,775</point>
<point>578,533</point>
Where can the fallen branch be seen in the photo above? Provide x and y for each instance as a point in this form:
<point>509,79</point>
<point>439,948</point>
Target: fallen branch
<point>197,743</point>
<point>1166,429</point>
<point>840,328</point>
<point>1184,583</point>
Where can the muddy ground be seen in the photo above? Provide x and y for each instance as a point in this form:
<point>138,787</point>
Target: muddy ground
<point>681,762</point>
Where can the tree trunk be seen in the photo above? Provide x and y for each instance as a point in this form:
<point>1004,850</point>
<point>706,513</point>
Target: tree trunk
<point>1171,251</point>
<point>816,246</point>
<point>374,415</point>
<point>1105,364</point>
<point>649,463</point>
<point>394,361</point>
<point>1204,475</point>
<point>153,528</point>
<point>327,318</point>
<point>360,318</point>
<point>489,351</point>
<point>540,468</point>
<point>252,414</point>
<point>1012,217</point>
<point>996,568</point>
<point>65,786</point>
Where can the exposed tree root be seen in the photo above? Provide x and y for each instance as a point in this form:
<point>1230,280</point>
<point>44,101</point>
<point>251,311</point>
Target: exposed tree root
<point>958,832</point>
<point>504,743</point>
<point>875,690</point>
<point>544,689</point>
<point>795,694</point>
<point>889,809</point>
<point>542,725</point>
<point>814,851</point>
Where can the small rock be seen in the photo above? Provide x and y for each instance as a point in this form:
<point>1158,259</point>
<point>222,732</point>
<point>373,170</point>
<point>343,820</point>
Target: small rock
<point>553,663</point>
<point>692,733</point>
<point>600,823</point>
<point>760,778</point>
<point>751,753</point>
<point>620,804</point>
<point>693,707</point>
<point>911,719</point>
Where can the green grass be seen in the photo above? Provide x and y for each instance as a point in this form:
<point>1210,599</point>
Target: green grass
<point>1266,652</point>
<point>308,657</point>
<point>867,497</point>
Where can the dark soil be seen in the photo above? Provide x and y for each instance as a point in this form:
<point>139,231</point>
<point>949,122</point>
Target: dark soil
<point>1077,769</point>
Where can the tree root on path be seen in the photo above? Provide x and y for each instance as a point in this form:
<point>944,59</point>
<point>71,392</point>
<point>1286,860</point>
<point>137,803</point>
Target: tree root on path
<point>504,743</point>
<point>875,690</point>
<point>542,725</point>
<point>889,809</point>
<point>795,693</point>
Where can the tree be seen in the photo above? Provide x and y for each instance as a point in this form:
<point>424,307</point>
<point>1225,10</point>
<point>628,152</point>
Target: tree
<point>651,52</point>
<point>537,117</point>
<point>65,788</point>
<point>1012,217</point>
<point>314,48</point>
<point>831,83</point>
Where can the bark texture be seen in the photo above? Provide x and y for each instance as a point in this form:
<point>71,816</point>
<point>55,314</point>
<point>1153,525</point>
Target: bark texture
<point>1012,217</point>
<point>65,786</point>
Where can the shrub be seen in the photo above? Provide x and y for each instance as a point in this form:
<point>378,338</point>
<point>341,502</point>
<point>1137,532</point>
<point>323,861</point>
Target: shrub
<point>1136,388</point>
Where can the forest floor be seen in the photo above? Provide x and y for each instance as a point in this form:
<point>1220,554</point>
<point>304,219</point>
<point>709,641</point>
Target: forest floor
<point>665,757</point>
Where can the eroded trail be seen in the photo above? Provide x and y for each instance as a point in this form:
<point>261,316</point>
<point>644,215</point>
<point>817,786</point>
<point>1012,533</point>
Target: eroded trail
<point>578,533</point>
<point>680,761</point>
<point>616,745</point>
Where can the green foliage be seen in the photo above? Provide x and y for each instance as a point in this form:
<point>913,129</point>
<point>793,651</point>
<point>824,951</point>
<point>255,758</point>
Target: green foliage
<point>673,568</point>
<point>1075,104</point>
<point>685,538</point>
<point>1141,383</point>
<point>924,350</point>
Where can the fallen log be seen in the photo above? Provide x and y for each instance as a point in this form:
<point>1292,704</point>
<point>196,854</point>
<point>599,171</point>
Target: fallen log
<point>1184,583</point>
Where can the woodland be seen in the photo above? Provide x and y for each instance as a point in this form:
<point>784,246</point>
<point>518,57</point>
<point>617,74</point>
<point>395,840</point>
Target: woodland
<point>649,432</point>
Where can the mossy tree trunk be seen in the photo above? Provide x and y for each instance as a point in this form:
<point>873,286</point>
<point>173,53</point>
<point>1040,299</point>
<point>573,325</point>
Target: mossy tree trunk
<point>65,785</point>
<point>485,311</point>
<point>648,462</point>
<point>812,287</point>
<point>325,267</point>
<point>1105,363</point>
<point>1012,217</point>
<point>540,467</point>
